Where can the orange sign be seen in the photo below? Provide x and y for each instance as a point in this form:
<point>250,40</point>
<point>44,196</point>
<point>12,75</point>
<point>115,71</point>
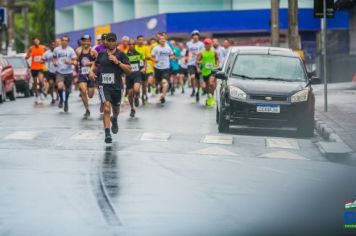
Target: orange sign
<point>103,29</point>
<point>301,53</point>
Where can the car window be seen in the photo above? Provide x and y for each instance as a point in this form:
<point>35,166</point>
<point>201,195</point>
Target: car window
<point>3,62</point>
<point>270,67</point>
<point>229,62</point>
<point>17,62</point>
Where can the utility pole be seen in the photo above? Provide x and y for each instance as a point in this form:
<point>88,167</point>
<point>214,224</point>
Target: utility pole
<point>324,30</point>
<point>11,25</point>
<point>275,22</point>
<point>293,31</point>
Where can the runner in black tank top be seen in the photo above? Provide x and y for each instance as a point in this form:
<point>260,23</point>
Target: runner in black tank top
<point>113,65</point>
<point>86,57</point>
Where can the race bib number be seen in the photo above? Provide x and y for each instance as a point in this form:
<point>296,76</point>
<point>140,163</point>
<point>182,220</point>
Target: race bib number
<point>108,78</point>
<point>37,58</point>
<point>142,63</point>
<point>63,60</point>
<point>85,70</point>
<point>135,67</point>
<point>209,66</point>
<point>148,66</point>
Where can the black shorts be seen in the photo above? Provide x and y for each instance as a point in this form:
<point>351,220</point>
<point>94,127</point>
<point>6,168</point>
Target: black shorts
<point>35,73</point>
<point>145,76</point>
<point>183,71</point>
<point>50,76</point>
<point>162,74</point>
<point>175,72</point>
<point>192,70</point>
<point>85,79</point>
<point>67,79</point>
<point>130,82</point>
<point>110,95</point>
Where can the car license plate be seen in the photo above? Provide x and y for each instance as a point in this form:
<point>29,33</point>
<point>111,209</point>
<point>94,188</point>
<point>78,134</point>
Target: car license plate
<point>268,108</point>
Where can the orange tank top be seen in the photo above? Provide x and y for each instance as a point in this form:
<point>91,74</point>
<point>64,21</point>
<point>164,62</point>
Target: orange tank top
<point>36,56</point>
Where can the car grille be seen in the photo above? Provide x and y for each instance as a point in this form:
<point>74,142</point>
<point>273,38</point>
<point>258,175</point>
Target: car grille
<point>263,98</point>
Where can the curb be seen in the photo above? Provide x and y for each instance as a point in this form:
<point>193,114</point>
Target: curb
<point>326,132</point>
<point>333,146</point>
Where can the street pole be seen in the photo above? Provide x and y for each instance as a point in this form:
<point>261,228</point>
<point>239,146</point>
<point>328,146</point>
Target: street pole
<point>11,25</point>
<point>26,38</point>
<point>275,22</point>
<point>324,31</point>
<point>293,34</point>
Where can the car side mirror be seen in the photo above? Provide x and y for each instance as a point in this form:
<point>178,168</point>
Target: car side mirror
<point>315,80</point>
<point>221,75</point>
<point>217,69</point>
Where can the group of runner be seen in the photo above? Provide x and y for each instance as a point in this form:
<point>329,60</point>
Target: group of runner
<point>131,69</point>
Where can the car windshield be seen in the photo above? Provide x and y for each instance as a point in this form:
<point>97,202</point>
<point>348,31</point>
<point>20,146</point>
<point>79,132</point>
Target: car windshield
<point>268,67</point>
<point>17,62</point>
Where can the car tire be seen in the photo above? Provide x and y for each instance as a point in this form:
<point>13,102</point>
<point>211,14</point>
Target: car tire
<point>217,115</point>
<point>12,94</point>
<point>223,125</point>
<point>1,99</point>
<point>306,128</point>
<point>26,90</point>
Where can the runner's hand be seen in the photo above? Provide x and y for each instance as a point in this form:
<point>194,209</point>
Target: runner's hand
<point>113,59</point>
<point>68,62</point>
<point>92,75</point>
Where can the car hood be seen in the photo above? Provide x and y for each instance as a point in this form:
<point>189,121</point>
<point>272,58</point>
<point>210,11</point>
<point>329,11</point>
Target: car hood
<point>20,71</point>
<point>267,86</point>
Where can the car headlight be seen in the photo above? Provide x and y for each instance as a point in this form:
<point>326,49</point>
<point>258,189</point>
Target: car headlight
<point>300,96</point>
<point>237,93</point>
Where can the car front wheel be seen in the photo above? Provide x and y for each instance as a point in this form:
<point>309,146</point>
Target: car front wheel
<point>223,124</point>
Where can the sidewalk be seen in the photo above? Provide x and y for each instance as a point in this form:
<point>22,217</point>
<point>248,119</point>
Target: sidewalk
<point>341,115</point>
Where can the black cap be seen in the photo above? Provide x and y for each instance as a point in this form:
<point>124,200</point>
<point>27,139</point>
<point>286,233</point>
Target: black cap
<point>111,36</point>
<point>84,37</point>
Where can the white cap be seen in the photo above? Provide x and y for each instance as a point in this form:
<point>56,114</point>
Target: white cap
<point>125,38</point>
<point>98,37</point>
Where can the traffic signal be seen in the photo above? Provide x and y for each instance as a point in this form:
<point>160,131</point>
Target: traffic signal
<point>318,8</point>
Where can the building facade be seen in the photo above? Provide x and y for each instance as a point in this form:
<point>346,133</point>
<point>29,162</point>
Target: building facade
<point>247,22</point>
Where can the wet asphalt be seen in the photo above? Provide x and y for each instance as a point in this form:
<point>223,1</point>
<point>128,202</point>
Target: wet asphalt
<point>167,172</point>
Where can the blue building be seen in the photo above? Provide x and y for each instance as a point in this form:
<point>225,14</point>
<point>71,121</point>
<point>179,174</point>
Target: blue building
<point>246,22</point>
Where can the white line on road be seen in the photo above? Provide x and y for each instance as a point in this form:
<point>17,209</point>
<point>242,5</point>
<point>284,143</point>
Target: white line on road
<point>282,143</point>
<point>87,135</point>
<point>218,139</point>
<point>155,136</point>
<point>22,135</point>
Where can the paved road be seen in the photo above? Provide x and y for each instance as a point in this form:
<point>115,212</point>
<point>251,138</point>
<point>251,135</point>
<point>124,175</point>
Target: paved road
<point>168,172</point>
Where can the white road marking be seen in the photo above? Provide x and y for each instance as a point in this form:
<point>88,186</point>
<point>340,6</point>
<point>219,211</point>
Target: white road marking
<point>155,136</point>
<point>273,170</point>
<point>218,139</point>
<point>283,155</point>
<point>218,151</point>
<point>23,135</point>
<point>88,135</point>
<point>282,143</point>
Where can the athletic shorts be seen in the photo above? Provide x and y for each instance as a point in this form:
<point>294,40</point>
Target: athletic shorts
<point>67,79</point>
<point>85,79</point>
<point>162,74</point>
<point>50,76</point>
<point>110,95</point>
<point>192,70</point>
<point>145,77</point>
<point>175,72</point>
<point>35,73</point>
<point>183,71</point>
<point>130,82</point>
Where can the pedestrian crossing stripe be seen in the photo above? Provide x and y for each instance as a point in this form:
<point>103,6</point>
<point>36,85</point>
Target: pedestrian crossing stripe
<point>88,135</point>
<point>284,155</point>
<point>22,135</point>
<point>215,151</point>
<point>155,136</point>
<point>218,139</point>
<point>282,143</point>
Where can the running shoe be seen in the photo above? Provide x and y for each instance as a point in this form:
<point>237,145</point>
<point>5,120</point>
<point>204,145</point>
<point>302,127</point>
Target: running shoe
<point>114,126</point>
<point>132,113</point>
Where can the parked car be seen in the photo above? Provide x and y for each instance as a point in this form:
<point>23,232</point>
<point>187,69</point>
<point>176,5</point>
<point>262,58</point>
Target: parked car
<point>22,74</point>
<point>265,86</point>
<point>7,78</point>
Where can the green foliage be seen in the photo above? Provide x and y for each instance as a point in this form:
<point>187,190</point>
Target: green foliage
<point>41,23</point>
